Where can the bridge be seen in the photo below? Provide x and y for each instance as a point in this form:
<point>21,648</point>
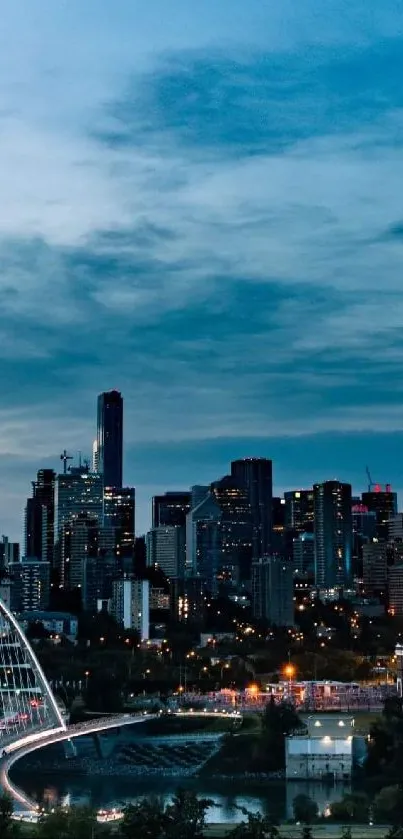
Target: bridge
<point>30,718</point>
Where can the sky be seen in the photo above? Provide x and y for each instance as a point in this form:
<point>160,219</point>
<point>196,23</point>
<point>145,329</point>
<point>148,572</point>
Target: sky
<point>201,206</point>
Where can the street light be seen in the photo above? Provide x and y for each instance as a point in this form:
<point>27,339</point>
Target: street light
<point>289,671</point>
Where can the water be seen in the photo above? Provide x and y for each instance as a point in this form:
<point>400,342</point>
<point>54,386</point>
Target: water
<point>269,797</point>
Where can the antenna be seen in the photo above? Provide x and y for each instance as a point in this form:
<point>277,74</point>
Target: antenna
<point>65,458</point>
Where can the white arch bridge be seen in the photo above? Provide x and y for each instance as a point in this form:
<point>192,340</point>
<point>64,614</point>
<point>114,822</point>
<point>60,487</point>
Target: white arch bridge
<point>30,718</point>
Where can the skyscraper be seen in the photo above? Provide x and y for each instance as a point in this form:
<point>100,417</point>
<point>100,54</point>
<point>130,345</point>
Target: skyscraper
<point>333,534</point>
<point>384,504</point>
<point>299,510</point>
<point>166,549</point>
<point>77,493</point>
<point>110,438</point>
<point>236,529</point>
<point>171,509</point>
<point>39,517</point>
<point>256,473</point>
<point>119,514</point>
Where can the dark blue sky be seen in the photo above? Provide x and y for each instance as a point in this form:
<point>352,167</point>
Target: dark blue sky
<point>202,207</point>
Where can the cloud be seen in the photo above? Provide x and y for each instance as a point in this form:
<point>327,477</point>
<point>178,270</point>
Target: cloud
<point>215,230</point>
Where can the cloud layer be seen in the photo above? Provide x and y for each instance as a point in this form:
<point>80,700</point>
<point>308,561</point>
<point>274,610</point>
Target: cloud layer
<point>209,218</point>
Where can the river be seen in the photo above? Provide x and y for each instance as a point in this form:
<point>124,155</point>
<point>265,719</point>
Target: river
<point>269,797</point>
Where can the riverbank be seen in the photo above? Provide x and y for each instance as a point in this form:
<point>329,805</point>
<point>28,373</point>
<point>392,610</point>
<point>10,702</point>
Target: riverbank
<point>318,831</point>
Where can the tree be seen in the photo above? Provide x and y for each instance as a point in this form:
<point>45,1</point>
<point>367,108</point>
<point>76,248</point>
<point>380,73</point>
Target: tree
<point>354,807</point>
<point>7,827</point>
<point>305,809</point>
<point>186,816</point>
<point>146,819</point>
<point>74,823</point>
<point>387,805</point>
<point>256,827</point>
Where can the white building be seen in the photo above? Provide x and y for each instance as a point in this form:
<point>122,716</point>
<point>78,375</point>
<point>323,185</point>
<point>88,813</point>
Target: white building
<point>323,750</point>
<point>131,605</point>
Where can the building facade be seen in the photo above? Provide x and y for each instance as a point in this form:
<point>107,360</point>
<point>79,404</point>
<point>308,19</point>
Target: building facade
<point>131,605</point>
<point>30,585</point>
<point>273,590</point>
<point>333,534</point>
<point>110,438</point>
<point>384,504</point>
<point>166,550</point>
<point>171,509</point>
<point>299,510</point>
<point>323,751</point>
<point>256,474</point>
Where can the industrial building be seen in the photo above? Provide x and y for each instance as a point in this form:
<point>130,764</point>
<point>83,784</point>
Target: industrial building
<point>323,749</point>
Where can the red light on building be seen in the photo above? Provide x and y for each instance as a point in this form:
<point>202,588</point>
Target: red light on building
<point>377,488</point>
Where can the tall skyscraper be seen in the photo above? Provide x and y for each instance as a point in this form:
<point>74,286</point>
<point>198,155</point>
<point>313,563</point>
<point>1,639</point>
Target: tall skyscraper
<point>9,552</point>
<point>256,473</point>
<point>171,509</point>
<point>236,527</point>
<point>110,438</point>
<point>77,493</point>
<point>333,534</point>
<point>272,590</point>
<point>203,542</point>
<point>384,504</point>
<point>39,517</point>
<point>119,514</point>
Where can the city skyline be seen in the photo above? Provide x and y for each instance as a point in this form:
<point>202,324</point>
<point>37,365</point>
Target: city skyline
<point>221,248</point>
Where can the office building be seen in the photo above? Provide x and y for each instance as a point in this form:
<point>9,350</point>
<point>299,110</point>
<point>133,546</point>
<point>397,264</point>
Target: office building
<point>186,599</point>
<point>256,474</point>
<point>30,585</point>
<point>166,550</point>
<point>198,493</point>
<point>364,532</point>
<point>304,554</point>
<point>39,517</point>
<point>110,438</point>
<point>299,510</point>
<point>171,509</point>
<point>375,568</point>
<point>77,493</point>
<point>236,528</point>
<point>395,528</point>
<point>395,589</point>
<point>131,605</point>
<point>119,514</point>
<point>203,542</point>
<point>273,590</point>
<point>9,552</point>
<point>322,750</point>
<point>333,534</point>
<point>384,504</point>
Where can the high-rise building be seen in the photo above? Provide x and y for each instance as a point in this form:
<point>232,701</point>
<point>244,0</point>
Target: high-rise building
<point>131,605</point>
<point>299,510</point>
<point>171,509</point>
<point>9,552</point>
<point>273,591</point>
<point>77,493</point>
<point>95,458</point>
<point>333,534</point>
<point>110,438</point>
<point>384,504</point>
<point>39,517</point>
<point>395,528</point>
<point>30,586</point>
<point>119,514</point>
<point>395,586</point>
<point>198,493</point>
<point>203,542</point>
<point>375,568</point>
<point>256,473</point>
<point>166,550</point>
<point>304,553</point>
<point>236,527</point>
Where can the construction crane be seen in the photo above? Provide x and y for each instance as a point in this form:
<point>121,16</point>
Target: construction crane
<point>370,481</point>
<point>65,458</point>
